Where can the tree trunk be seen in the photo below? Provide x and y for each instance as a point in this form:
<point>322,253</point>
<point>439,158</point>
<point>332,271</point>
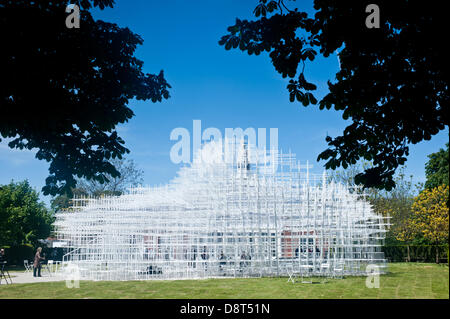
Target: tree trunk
<point>408,258</point>
<point>437,254</point>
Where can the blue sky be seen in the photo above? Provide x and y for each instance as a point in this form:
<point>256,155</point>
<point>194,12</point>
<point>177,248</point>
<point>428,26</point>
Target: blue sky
<point>221,88</point>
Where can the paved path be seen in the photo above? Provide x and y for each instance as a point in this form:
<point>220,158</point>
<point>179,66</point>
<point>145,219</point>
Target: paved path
<point>27,277</point>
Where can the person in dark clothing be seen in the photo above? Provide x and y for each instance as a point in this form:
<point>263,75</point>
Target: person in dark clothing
<point>37,262</point>
<point>205,256</point>
<point>167,256</point>
<point>2,260</point>
<point>3,270</point>
<point>2,255</point>
<point>223,260</point>
<point>243,257</point>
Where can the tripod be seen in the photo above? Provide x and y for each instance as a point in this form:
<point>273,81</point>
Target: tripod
<point>4,273</point>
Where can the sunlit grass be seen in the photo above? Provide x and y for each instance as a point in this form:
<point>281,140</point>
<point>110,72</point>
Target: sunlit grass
<point>405,280</point>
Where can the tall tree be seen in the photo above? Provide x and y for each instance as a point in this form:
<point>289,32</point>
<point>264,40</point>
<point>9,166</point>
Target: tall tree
<point>65,201</point>
<point>430,216</point>
<point>64,90</point>
<point>395,203</point>
<point>436,169</point>
<point>23,218</point>
<point>347,177</point>
<point>130,175</point>
<point>392,83</point>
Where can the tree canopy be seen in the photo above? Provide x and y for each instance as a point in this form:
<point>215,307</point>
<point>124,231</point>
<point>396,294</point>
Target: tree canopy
<point>130,175</point>
<point>391,84</point>
<point>430,216</point>
<point>436,169</point>
<point>23,218</point>
<point>396,203</point>
<point>64,90</point>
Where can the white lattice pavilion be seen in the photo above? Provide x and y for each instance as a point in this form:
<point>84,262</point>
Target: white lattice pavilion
<point>248,213</point>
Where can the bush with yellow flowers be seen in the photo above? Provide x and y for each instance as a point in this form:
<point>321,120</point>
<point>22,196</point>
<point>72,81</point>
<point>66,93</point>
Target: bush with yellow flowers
<point>430,216</point>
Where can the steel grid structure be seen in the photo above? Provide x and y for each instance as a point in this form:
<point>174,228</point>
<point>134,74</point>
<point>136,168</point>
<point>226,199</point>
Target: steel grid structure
<point>258,214</point>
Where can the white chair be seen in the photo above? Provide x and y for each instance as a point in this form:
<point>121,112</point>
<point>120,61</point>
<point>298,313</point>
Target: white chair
<point>65,265</point>
<point>27,266</point>
<point>307,269</point>
<point>57,265</point>
<point>325,271</point>
<point>324,268</point>
<point>292,274</point>
<point>339,270</point>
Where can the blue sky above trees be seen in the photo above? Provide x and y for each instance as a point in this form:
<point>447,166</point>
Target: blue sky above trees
<point>220,88</point>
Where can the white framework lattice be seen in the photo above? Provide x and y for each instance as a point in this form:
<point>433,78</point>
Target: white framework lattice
<point>256,214</point>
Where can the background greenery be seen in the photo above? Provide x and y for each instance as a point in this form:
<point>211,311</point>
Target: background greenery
<point>24,220</point>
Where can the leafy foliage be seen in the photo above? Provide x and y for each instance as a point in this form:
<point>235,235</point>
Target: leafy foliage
<point>395,203</point>
<point>392,84</point>
<point>130,175</point>
<point>65,200</point>
<point>436,169</point>
<point>23,219</point>
<point>63,91</point>
<point>347,177</point>
<point>430,217</point>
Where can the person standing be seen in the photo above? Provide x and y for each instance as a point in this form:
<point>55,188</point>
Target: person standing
<point>3,270</point>
<point>37,262</point>
<point>222,261</point>
<point>2,255</point>
<point>243,263</point>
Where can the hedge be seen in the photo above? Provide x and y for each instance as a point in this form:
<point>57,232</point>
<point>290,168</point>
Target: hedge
<point>393,253</point>
<point>15,255</point>
<point>419,253</point>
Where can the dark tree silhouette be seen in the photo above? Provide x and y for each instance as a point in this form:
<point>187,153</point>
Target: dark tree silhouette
<point>63,91</point>
<point>392,83</point>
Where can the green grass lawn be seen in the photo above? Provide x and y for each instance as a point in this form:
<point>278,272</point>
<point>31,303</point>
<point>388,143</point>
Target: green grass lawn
<point>405,280</point>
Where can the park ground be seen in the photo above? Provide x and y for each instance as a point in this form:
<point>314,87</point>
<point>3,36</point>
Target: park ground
<point>404,281</point>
